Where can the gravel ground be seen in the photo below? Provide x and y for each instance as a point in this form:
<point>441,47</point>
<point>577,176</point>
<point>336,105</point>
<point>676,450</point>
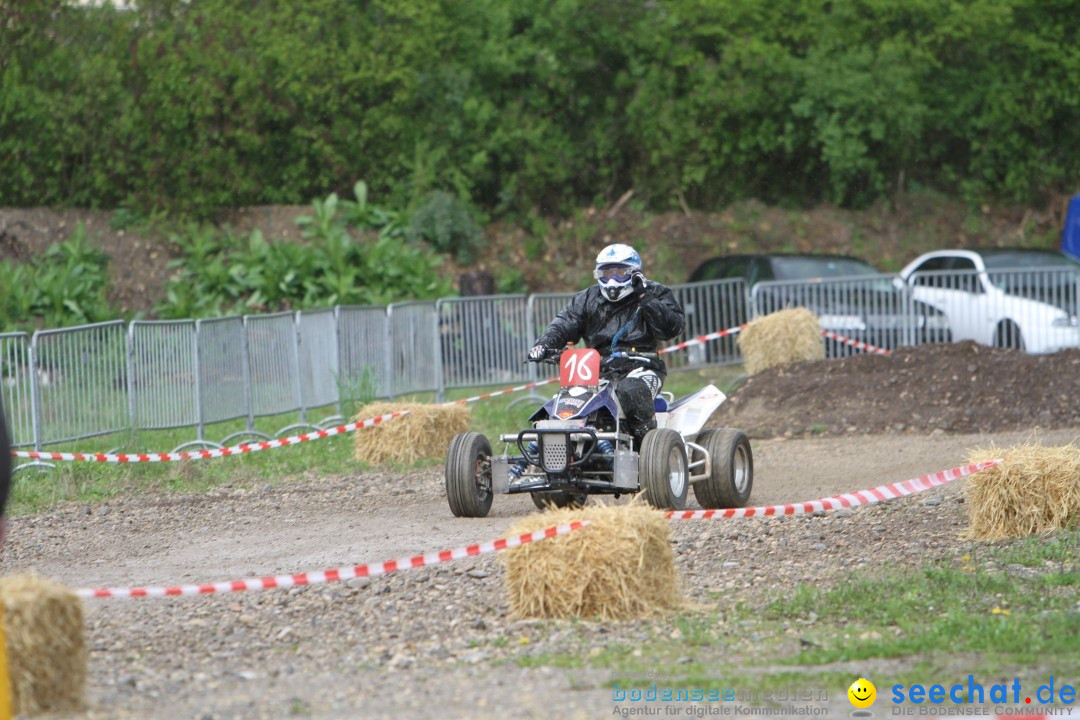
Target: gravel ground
<point>436,642</point>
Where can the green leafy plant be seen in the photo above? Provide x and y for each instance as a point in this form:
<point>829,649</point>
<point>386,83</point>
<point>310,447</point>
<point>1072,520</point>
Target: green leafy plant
<point>447,224</point>
<point>65,286</point>
<point>338,264</point>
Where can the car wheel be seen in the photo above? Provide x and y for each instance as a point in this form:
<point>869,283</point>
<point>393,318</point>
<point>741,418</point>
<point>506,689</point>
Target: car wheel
<point>732,469</point>
<point>1008,336</point>
<point>468,475</point>
<point>663,470</point>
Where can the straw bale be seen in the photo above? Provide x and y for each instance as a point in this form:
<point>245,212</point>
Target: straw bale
<point>780,338</point>
<point>1036,490</point>
<point>425,432</point>
<point>46,645</point>
<point>620,567</point>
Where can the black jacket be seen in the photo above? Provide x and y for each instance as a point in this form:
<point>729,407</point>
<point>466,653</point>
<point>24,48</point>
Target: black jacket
<point>653,317</point>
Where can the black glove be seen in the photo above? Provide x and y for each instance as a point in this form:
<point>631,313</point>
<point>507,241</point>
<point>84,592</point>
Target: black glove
<point>538,353</point>
<point>639,283</point>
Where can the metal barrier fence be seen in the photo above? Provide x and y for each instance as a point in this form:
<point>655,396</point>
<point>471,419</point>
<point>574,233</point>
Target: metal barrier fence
<point>363,352</point>
<point>481,340</point>
<point>874,309</point>
<point>708,307</point>
<point>317,347</point>
<point>76,383</point>
<point>273,364</point>
<point>18,369</point>
<point>223,386</point>
<point>163,358</point>
<point>81,383</point>
<point>413,347</point>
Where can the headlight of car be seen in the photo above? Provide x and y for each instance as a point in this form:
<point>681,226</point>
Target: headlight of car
<point>842,322</point>
<point>1067,321</point>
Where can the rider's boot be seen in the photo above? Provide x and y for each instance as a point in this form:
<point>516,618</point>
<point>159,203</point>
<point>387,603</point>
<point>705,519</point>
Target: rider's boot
<point>639,432</point>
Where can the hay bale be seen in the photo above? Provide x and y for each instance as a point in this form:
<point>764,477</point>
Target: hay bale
<point>1035,490</point>
<point>46,647</point>
<point>620,567</point>
<point>780,338</point>
<point>425,432</point>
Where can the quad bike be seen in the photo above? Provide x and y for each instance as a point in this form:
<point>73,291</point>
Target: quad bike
<point>577,446</point>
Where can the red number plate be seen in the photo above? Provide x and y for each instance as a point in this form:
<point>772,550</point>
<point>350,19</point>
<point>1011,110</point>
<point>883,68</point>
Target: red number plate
<point>579,367</point>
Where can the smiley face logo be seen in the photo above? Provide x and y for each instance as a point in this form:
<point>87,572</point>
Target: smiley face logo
<point>862,693</point>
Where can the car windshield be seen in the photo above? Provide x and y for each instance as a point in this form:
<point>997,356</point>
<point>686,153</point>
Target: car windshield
<point>1015,259</point>
<point>828,268</point>
<point>804,268</point>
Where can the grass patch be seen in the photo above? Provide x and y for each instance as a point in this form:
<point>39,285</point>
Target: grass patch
<point>1000,610</point>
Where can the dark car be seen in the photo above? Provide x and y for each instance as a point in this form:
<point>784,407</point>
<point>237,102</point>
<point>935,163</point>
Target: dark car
<point>846,293</point>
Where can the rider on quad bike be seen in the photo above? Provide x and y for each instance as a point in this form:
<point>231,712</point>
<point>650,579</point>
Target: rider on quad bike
<point>622,313</point>
<point>599,434</point>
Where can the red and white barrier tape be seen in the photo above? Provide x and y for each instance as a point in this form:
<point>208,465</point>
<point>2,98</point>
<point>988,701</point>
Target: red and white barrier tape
<point>856,343</point>
<point>244,449</point>
<point>881,493</point>
<point>703,339</point>
<point>507,391</point>
<point>872,496</point>
<point>344,573</point>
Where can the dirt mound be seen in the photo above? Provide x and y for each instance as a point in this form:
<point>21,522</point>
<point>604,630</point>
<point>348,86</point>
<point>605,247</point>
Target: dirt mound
<point>963,387</point>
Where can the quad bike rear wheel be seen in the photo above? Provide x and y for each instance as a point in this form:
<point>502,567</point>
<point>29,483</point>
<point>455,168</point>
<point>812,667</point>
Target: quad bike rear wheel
<point>731,476</point>
<point>663,470</point>
<point>468,475</point>
<point>559,499</point>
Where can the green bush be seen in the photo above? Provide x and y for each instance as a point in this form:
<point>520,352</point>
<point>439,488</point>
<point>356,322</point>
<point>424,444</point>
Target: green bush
<point>342,262</point>
<point>534,108</point>
<point>65,286</point>
<point>446,223</point>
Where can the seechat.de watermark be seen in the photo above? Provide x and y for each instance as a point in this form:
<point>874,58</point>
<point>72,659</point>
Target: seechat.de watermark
<point>975,698</point>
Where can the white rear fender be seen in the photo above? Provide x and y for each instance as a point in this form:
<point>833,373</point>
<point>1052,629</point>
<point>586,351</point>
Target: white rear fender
<point>689,414</point>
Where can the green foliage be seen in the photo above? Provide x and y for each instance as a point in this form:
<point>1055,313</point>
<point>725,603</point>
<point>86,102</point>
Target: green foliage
<point>446,223</point>
<point>532,108</point>
<point>65,286</point>
<point>341,263</point>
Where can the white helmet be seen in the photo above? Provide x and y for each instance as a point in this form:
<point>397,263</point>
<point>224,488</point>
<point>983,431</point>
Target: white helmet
<point>615,267</point>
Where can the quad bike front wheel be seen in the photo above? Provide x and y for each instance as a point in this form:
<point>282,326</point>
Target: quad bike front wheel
<point>663,470</point>
<point>731,476</point>
<point>559,499</point>
<point>468,475</point>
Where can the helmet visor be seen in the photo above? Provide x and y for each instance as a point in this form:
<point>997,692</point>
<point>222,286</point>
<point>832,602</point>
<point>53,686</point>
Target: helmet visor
<point>612,273</point>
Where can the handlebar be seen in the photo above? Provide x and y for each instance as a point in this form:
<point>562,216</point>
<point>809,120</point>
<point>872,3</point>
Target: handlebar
<point>552,358</point>
<point>643,359</point>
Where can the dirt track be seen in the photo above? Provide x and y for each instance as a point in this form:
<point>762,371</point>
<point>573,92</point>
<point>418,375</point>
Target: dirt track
<point>438,636</point>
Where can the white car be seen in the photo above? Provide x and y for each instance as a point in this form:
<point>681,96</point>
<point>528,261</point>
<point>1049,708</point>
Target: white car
<point>1025,299</point>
